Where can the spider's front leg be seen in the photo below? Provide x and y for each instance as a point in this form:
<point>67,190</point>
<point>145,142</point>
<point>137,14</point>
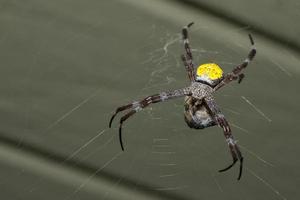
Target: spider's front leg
<point>136,106</point>
<point>222,122</point>
<point>236,73</point>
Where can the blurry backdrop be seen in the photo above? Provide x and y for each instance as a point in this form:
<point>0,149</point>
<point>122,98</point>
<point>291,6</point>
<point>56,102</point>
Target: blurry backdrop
<point>65,65</point>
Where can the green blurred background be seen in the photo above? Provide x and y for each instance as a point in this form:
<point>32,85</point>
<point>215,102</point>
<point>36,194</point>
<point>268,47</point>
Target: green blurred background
<point>66,65</point>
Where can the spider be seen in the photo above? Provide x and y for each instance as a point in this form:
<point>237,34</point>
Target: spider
<point>200,108</point>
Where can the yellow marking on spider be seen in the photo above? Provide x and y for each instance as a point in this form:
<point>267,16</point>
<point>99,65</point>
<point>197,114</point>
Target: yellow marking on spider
<point>210,70</point>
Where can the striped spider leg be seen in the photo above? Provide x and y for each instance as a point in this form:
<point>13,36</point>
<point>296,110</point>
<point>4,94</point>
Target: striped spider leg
<point>187,57</point>
<point>236,73</point>
<point>222,122</point>
<point>136,106</point>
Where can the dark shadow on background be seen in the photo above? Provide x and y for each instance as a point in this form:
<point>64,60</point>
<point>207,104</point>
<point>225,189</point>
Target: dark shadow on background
<point>241,23</point>
<point>87,169</point>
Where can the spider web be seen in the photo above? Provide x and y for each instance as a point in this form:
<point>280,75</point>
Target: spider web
<point>163,158</point>
<point>164,65</point>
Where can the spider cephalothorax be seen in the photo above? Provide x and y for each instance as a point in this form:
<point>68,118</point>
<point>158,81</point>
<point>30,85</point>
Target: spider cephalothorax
<point>201,110</point>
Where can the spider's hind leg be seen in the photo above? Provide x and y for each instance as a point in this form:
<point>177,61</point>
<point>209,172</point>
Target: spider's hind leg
<point>236,73</point>
<point>187,57</point>
<point>185,32</point>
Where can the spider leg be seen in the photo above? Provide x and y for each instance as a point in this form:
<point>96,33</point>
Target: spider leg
<point>187,57</point>
<point>142,104</point>
<point>234,150</point>
<point>237,70</point>
<point>189,68</point>
<point>125,117</point>
<point>222,122</point>
<point>236,73</point>
<point>185,38</point>
<point>136,105</point>
<point>241,77</point>
<point>119,109</point>
<point>139,105</point>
